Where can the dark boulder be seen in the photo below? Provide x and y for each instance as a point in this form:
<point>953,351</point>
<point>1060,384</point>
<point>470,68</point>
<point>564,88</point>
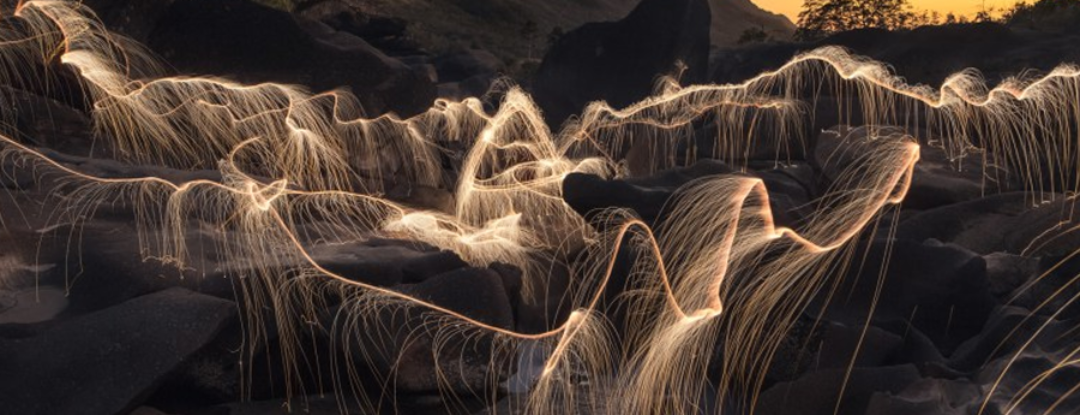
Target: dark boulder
<point>791,188</point>
<point>1008,222</point>
<point>619,62</point>
<point>106,362</point>
<point>1007,272</point>
<point>387,33</point>
<point>1053,289</point>
<point>385,264</point>
<point>939,289</point>
<point>46,122</point>
<point>818,392</point>
<point>929,396</point>
<point>461,65</point>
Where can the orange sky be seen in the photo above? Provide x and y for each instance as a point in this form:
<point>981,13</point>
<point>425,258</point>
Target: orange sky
<point>790,8</point>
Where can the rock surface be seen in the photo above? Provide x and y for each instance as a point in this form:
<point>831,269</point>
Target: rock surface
<point>120,353</point>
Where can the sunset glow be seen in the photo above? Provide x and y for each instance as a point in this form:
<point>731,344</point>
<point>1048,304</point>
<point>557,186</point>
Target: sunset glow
<point>791,8</point>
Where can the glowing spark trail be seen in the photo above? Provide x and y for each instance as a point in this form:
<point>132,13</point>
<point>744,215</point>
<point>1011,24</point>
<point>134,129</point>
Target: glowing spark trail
<point>297,169</point>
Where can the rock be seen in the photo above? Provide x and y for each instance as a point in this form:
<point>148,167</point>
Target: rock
<point>799,352</point>
<point>460,65</point>
<point>111,269</point>
<point>105,362</point>
<point>939,181</point>
<point>466,364</point>
<point>587,194</point>
<point>1007,272</point>
<point>1052,289</point>
<point>423,197</point>
<point>1007,222</point>
<point>32,305</point>
<point>313,405</point>
<point>939,289</point>
<point>407,352</point>
<point>929,397</point>
<point>1008,330</point>
<point>388,34</point>
<point>936,180</point>
<point>817,392</point>
<point>14,177</point>
<point>843,345</point>
<point>791,188</point>
<point>253,43</point>
<point>1035,381</point>
<point>619,61</point>
<point>146,410</point>
<point>385,265</point>
<point>475,292</point>
<point>46,122</point>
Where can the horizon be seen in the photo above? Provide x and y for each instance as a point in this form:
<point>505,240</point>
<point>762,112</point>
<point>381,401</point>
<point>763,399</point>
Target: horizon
<point>791,8</point>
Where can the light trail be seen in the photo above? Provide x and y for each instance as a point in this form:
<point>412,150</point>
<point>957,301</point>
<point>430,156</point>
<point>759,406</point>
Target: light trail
<point>299,168</point>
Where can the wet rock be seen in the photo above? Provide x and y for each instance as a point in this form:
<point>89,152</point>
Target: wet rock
<point>105,362</point>
<point>619,61</point>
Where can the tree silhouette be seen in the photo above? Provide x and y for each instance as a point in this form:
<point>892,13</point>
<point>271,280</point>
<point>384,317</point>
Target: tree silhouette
<point>820,18</point>
<point>1045,15</point>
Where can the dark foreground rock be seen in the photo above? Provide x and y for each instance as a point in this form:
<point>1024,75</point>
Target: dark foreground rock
<point>106,362</point>
<point>818,392</point>
<point>939,289</point>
